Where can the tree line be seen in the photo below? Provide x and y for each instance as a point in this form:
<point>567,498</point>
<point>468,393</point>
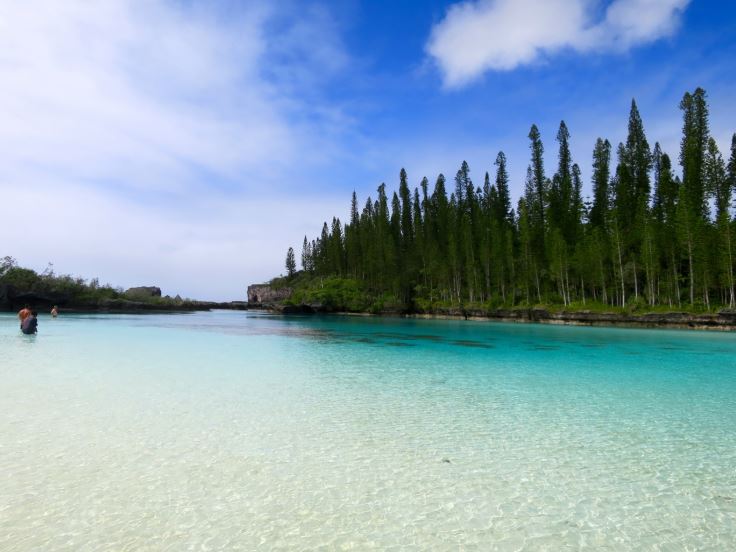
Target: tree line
<point>647,236</point>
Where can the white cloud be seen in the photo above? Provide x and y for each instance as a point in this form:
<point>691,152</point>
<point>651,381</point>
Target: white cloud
<point>156,141</point>
<point>122,91</point>
<point>205,248</point>
<point>483,35</point>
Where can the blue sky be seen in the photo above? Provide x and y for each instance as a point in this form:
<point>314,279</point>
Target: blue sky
<point>189,144</point>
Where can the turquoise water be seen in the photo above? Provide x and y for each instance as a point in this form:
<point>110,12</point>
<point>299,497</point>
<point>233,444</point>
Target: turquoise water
<point>233,430</point>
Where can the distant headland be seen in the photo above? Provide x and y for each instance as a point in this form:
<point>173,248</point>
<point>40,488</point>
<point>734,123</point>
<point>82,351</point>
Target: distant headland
<point>21,286</point>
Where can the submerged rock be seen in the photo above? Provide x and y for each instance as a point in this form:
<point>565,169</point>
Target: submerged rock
<point>294,309</point>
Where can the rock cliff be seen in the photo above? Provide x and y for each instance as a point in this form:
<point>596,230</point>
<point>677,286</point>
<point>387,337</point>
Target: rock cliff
<point>263,294</point>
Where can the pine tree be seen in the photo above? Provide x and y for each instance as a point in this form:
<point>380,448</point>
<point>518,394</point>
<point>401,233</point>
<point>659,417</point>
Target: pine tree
<point>718,185</point>
<point>536,202</point>
<point>538,180</point>
<point>560,192</point>
<point>353,252</point>
<point>503,211</point>
<point>639,161</point>
<point>693,150</point>
<point>290,263</point>
<point>306,256</point>
<point>693,208</point>
<point>500,228</point>
<point>665,219</point>
<point>601,177</point>
<point>407,229</point>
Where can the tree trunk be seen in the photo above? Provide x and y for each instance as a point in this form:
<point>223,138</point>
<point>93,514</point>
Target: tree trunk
<point>621,270</point>
<point>636,283</point>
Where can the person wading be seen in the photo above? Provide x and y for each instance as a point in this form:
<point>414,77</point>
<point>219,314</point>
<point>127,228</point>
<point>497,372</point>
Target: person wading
<point>24,313</point>
<point>30,324</point>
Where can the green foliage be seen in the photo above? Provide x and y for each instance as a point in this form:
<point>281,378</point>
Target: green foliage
<point>21,278</point>
<point>290,263</point>
<point>6,263</point>
<point>74,290</point>
<point>339,294</point>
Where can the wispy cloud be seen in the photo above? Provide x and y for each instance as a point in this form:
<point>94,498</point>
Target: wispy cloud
<point>499,35</point>
<point>121,91</point>
<point>124,109</point>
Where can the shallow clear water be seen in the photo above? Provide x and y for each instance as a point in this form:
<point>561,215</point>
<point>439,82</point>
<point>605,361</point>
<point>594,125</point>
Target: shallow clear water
<point>233,430</point>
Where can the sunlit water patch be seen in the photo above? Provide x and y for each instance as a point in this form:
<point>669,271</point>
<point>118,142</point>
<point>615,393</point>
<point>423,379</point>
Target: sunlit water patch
<point>231,430</point>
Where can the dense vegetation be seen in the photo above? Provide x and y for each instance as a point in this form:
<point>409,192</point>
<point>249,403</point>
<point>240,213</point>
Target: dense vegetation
<point>70,290</point>
<point>27,280</point>
<point>647,239</point>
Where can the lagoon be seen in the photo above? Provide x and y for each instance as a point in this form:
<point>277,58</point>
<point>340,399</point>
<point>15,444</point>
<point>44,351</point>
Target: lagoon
<point>242,430</point>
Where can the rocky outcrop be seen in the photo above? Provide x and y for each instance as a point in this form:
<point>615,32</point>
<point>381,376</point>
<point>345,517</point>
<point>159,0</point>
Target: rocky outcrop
<point>302,308</point>
<point>724,320</point>
<point>264,294</point>
<point>143,291</point>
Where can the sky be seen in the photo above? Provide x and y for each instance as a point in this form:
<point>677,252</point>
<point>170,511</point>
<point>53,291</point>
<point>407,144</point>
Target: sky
<point>188,144</point>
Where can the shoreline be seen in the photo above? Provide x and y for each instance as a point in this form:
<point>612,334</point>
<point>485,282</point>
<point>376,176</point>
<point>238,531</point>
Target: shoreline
<point>141,308</point>
<point>722,322</point>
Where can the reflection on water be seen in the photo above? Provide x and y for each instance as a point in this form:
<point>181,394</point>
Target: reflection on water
<point>232,430</point>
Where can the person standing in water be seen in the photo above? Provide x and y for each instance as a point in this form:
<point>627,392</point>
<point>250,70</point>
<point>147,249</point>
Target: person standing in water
<point>24,313</point>
<point>29,325</point>
<point>55,311</point>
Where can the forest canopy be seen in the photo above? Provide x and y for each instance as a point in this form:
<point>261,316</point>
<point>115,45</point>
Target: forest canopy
<point>646,238</point>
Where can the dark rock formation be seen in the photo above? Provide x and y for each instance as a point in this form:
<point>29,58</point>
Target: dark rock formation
<point>294,309</point>
<point>143,291</point>
<point>263,294</point>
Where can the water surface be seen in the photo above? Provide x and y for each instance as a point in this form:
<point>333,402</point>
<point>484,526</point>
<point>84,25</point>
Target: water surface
<point>233,430</point>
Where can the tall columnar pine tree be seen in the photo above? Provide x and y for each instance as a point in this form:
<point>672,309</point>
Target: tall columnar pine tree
<point>636,163</point>
<point>693,206</point>
<point>290,263</point>
<point>599,219</point>
<point>537,194</point>
<point>718,186</point>
<point>664,219</point>
<point>601,178</point>
<point>306,256</point>
<point>353,247</point>
<point>500,231</point>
